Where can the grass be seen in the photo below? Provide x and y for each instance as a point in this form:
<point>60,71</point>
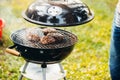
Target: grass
<point>90,57</point>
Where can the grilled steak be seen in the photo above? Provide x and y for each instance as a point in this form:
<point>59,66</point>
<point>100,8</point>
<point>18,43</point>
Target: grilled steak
<point>49,30</point>
<point>58,36</point>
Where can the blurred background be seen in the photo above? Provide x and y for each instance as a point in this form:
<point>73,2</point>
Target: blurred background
<point>90,58</point>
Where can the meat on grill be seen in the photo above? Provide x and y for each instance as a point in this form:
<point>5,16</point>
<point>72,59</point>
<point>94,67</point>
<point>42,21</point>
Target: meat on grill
<point>49,36</point>
<point>33,37</point>
<point>34,34</point>
<point>47,40</point>
<point>49,30</point>
<point>58,36</point>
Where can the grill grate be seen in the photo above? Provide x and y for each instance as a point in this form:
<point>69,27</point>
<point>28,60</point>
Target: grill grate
<point>20,37</point>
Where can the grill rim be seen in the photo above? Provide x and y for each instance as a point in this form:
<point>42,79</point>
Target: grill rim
<point>74,42</point>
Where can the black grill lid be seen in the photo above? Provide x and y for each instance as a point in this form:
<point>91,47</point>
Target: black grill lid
<point>59,14</point>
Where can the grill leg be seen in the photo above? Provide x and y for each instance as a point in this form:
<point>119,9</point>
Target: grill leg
<point>62,70</point>
<point>44,66</point>
<point>64,78</point>
<point>23,71</point>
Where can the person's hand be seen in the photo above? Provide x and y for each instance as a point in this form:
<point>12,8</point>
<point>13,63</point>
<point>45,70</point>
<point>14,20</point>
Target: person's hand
<point>118,6</point>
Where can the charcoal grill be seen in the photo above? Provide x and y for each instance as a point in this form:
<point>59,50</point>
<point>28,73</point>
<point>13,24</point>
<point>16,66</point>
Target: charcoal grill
<point>39,53</point>
<point>35,52</point>
<point>51,13</point>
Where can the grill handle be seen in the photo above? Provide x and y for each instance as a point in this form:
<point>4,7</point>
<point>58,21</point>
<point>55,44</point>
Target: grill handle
<point>10,50</point>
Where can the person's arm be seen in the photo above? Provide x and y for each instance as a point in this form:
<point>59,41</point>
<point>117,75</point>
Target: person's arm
<point>118,6</point>
<point>117,15</point>
<point>114,61</point>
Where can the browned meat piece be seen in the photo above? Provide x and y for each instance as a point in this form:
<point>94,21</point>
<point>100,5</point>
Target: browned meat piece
<point>58,37</point>
<point>47,40</point>
<point>49,30</point>
<point>34,34</point>
<point>33,37</point>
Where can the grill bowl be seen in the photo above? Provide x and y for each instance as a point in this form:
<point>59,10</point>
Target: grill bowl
<point>43,53</point>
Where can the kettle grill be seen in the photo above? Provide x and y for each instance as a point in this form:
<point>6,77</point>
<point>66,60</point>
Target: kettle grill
<point>43,61</point>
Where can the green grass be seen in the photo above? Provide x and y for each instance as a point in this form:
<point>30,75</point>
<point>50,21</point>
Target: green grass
<point>90,57</point>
